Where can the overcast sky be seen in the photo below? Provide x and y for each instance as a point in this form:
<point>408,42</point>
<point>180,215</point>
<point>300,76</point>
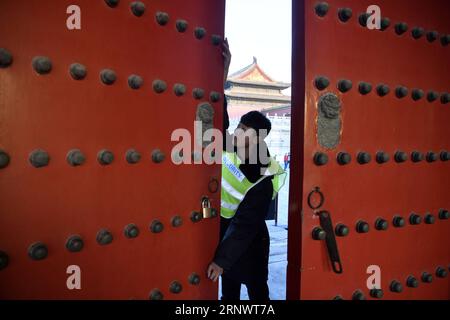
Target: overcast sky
<point>260,28</point>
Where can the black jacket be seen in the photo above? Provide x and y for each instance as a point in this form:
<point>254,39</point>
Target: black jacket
<point>243,251</point>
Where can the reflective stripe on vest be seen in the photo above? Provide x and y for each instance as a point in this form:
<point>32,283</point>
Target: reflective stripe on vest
<point>235,185</point>
<point>232,191</point>
<point>228,206</point>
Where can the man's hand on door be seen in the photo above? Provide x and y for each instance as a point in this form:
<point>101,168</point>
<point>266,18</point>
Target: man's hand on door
<point>214,271</point>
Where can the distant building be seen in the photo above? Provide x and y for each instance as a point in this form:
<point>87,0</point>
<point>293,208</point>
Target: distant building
<point>252,89</point>
<point>278,111</point>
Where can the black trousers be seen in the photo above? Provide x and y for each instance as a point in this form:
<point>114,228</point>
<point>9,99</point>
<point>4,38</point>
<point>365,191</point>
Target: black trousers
<point>257,289</point>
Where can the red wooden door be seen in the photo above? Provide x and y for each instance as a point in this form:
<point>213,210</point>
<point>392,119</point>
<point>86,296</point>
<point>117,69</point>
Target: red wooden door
<point>379,157</point>
<point>57,120</point>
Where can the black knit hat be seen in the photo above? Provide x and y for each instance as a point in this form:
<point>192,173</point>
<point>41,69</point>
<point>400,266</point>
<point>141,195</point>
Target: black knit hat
<point>257,121</point>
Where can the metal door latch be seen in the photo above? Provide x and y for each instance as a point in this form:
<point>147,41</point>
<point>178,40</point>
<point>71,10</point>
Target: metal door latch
<point>333,253</point>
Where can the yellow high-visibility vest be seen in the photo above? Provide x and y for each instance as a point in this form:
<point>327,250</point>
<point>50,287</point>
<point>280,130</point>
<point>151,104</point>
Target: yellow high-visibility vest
<point>235,185</point>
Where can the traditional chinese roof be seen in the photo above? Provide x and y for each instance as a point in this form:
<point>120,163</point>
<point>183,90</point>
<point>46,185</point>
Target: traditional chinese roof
<point>281,109</point>
<point>253,76</point>
<point>259,97</point>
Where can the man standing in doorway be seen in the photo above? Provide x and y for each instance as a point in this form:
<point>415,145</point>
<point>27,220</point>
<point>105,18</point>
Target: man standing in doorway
<point>250,180</point>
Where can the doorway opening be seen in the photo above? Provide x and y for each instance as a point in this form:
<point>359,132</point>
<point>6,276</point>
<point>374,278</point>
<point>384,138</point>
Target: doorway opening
<point>259,33</point>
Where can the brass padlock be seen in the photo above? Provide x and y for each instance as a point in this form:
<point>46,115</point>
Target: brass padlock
<point>206,208</point>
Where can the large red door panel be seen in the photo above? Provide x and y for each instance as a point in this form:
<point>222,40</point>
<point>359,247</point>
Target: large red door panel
<point>56,113</point>
<point>325,46</point>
